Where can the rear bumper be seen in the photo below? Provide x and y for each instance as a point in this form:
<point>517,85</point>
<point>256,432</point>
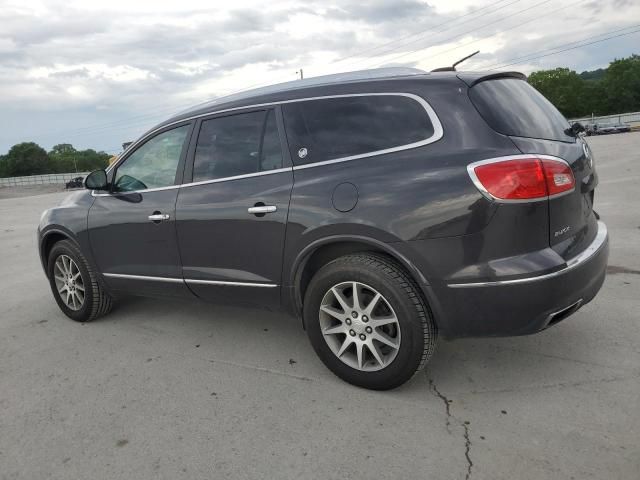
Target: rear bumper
<point>524,305</point>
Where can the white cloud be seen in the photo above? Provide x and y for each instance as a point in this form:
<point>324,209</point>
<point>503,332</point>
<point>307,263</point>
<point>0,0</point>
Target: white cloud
<point>90,62</point>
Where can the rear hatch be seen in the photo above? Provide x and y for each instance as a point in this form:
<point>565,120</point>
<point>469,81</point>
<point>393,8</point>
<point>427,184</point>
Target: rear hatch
<point>514,108</point>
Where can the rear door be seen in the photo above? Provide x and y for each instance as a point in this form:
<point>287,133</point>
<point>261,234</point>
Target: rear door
<point>231,218</point>
<point>513,107</point>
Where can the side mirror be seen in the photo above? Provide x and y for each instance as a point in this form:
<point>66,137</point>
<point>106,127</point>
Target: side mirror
<point>96,180</point>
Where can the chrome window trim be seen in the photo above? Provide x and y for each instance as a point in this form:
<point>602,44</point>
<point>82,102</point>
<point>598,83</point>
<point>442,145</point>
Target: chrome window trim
<point>188,280</point>
<point>593,248</point>
<point>194,184</point>
<point>438,132</point>
<point>236,177</point>
<point>486,194</point>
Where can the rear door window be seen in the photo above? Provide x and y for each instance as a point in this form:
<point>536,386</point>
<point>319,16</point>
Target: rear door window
<point>513,107</point>
<point>235,145</point>
<point>333,128</point>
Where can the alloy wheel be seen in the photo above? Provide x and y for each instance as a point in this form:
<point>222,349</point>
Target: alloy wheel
<point>69,282</point>
<point>359,326</point>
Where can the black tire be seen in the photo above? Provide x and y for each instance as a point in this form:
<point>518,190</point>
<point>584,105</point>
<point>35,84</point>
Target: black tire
<point>417,327</point>
<point>97,301</point>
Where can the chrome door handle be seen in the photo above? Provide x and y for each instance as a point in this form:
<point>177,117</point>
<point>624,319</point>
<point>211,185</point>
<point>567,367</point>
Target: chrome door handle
<point>262,209</point>
<point>159,217</point>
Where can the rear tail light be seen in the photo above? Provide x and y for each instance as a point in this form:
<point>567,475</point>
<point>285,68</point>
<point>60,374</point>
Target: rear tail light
<point>522,178</point>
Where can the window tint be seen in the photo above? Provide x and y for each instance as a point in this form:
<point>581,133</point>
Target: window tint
<point>154,164</point>
<point>237,145</point>
<point>513,107</point>
<point>330,128</point>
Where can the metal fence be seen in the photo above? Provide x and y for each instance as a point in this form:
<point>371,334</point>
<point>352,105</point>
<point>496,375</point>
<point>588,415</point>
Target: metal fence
<point>50,178</point>
<point>632,119</point>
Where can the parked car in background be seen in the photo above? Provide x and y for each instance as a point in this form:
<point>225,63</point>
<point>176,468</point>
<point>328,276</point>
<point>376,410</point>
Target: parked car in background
<point>622,127</point>
<point>607,128</point>
<point>384,207</point>
<point>76,182</point>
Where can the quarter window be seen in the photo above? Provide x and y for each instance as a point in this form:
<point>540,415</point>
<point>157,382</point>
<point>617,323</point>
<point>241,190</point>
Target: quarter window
<point>154,164</point>
<point>332,128</point>
<point>237,145</point>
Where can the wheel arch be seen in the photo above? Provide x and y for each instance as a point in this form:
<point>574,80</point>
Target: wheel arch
<point>320,252</point>
<point>48,239</point>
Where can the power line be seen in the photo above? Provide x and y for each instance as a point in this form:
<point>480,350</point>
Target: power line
<point>437,33</point>
<point>463,33</point>
<point>145,119</point>
<point>152,113</point>
<point>529,58</point>
<point>419,32</point>
<point>518,25</point>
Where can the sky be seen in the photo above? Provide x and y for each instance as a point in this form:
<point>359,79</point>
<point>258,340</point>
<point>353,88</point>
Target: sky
<point>97,73</point>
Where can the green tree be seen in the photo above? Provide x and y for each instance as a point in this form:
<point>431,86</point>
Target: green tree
<point>63,158</point>
<point>91,160</point>
<point>622,85</point>
<point>562,87</point>
<point>615,89</point>
<point>26,159</point>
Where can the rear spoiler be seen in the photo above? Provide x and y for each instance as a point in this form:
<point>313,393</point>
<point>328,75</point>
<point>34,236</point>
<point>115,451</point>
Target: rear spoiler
<point>473,78</point>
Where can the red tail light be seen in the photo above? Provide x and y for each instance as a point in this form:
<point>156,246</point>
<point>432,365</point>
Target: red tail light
<point>522,178</point>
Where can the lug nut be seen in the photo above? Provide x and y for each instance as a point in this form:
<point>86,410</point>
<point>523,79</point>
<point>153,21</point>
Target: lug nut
<point>363,336</point>
<point>348,321</point>
<point>352,333</point>
<point>365,319</point>
<point>354,314</point>
<point>368,329</point>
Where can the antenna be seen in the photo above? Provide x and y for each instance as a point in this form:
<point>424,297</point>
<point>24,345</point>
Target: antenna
<point>452,68</point>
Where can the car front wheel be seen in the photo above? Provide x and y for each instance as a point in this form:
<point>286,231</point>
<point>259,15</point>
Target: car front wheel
<point>368,322</point>
<point>75,285</point>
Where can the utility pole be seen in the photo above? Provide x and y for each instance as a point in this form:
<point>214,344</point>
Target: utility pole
<point>301,74</point>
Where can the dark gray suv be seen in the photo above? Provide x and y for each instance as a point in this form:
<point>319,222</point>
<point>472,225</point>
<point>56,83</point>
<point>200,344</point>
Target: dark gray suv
<point>385,207</point>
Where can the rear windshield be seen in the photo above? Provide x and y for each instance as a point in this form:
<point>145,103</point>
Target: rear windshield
<point>514,107</point>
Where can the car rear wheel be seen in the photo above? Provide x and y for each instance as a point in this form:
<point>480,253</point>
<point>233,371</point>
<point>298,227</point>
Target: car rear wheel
<point>368,322</point>
<point>75,285</point>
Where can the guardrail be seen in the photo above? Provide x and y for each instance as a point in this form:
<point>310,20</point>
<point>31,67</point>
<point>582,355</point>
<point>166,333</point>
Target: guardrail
<point>47,179</point>
<point>632,119</point>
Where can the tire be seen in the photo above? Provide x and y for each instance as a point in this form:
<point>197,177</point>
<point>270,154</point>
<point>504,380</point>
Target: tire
<point>95,300</point>
<point>409,340</point>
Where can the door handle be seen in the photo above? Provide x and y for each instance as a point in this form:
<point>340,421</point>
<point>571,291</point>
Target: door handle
<point>158,217</point>
<point>262,209</point>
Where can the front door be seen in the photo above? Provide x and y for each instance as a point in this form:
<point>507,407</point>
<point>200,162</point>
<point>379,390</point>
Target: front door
<point>231,219</point>
<point>132,228</point>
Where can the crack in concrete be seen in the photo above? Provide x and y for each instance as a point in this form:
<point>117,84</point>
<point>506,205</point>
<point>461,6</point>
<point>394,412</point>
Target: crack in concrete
<point>615,269</point>
<point>464,424</point>
<point>446,401</point>
<point>467,449</point>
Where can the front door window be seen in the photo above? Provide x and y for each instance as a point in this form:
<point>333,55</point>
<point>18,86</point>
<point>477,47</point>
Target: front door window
<point>154,164</point>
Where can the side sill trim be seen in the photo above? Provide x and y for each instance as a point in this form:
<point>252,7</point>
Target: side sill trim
<point>231,284</point>
<point>143,277</point>
<point>188,280</point>
<point>572,263</point>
